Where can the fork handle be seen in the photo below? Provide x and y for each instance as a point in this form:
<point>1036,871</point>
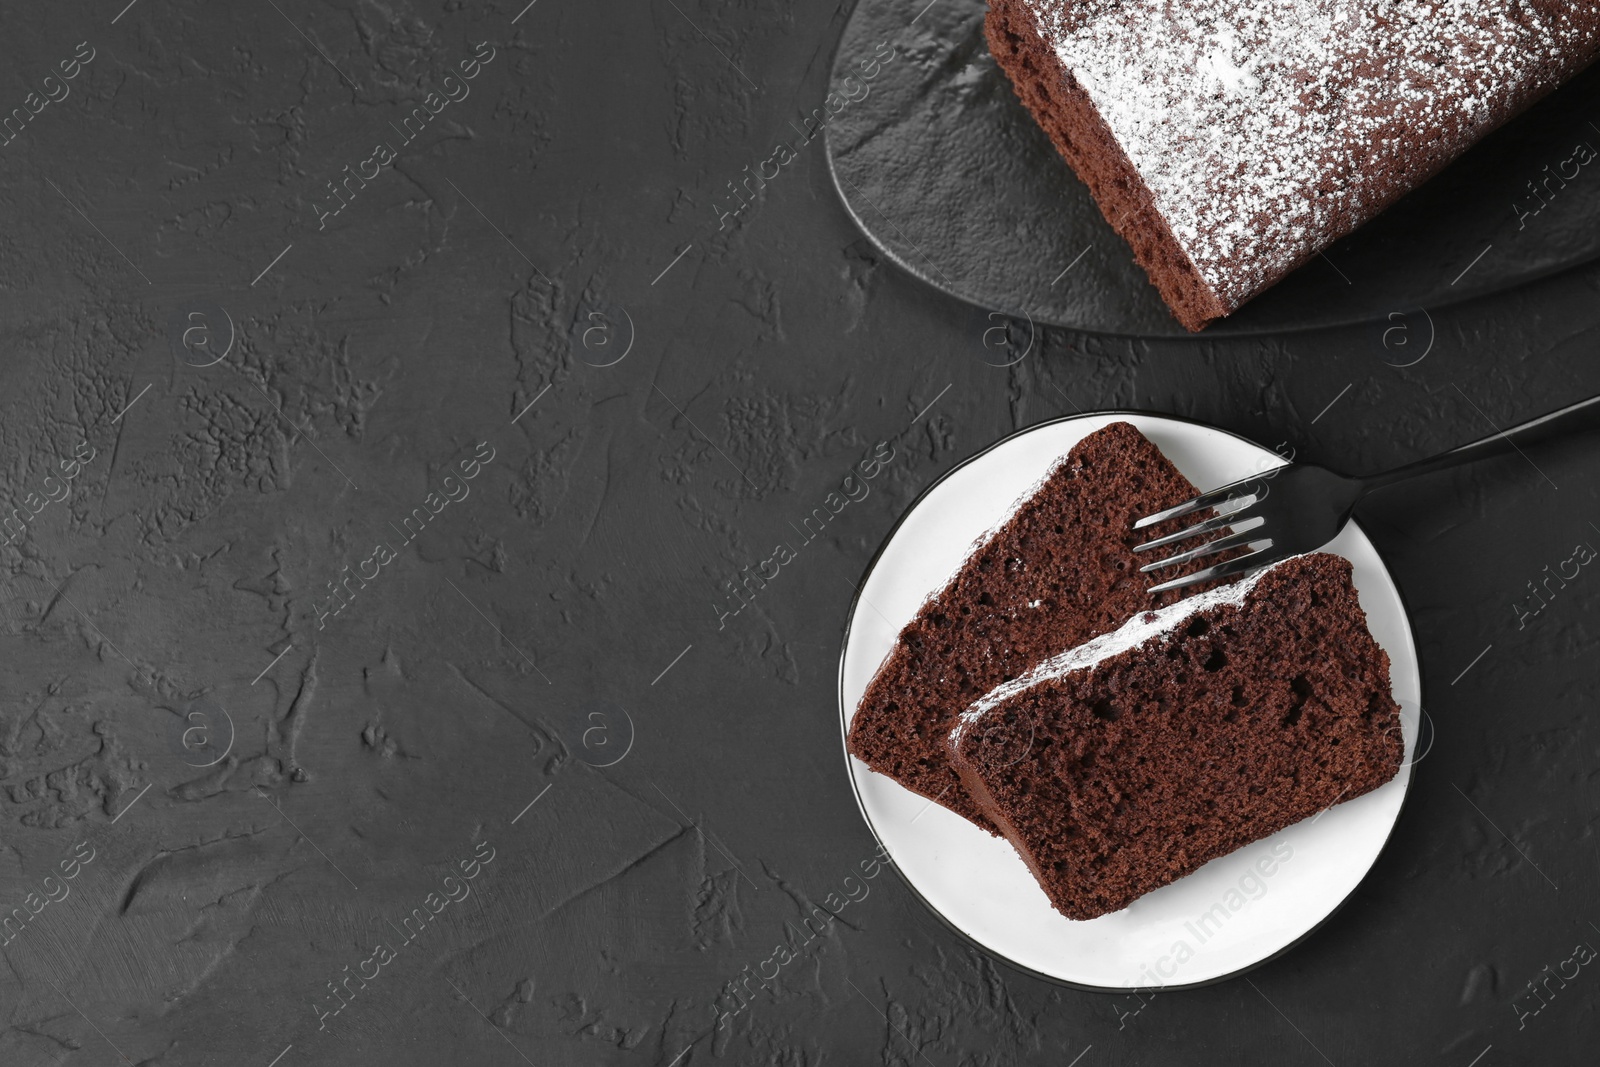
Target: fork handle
<point>1585,413</point>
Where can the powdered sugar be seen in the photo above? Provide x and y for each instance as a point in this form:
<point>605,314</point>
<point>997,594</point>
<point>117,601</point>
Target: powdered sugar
<point>1266,129</point>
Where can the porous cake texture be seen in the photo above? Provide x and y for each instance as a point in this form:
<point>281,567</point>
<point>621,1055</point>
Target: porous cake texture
<point>1057,572</point>
<point>1126,763</point>
<point>1228,141</point>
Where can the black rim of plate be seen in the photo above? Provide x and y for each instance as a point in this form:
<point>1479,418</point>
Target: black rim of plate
<point>844,719</point>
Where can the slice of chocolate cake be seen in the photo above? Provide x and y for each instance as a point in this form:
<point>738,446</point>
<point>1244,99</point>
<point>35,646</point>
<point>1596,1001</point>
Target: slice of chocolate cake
<point>1228,141</point>
<point>1060,570</point>
<point>1191,731</point>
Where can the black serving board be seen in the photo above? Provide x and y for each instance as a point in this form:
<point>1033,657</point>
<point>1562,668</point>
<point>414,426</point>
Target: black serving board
<point>947,173</point>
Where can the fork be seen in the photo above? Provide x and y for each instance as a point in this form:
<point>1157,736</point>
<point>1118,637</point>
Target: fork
<point>1298,507</point>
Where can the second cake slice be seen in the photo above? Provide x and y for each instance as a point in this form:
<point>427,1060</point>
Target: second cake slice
<point>1130,761</point>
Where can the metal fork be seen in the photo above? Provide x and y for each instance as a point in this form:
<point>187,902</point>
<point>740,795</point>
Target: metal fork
<point>1299,508</point>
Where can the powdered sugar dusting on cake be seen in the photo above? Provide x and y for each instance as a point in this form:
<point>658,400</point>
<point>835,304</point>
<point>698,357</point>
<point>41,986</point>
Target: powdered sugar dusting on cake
<point>1266,128</point>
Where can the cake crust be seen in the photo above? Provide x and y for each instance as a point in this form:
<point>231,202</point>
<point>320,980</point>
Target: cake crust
<point>1125,764</point>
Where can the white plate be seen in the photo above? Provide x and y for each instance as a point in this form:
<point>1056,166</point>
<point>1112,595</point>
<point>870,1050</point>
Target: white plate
<point>1227,916</point>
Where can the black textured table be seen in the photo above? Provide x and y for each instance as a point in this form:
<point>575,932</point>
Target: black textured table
<point>396,402</point>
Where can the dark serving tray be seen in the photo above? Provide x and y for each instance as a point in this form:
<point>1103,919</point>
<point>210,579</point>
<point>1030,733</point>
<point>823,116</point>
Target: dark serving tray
<point>947,173</point>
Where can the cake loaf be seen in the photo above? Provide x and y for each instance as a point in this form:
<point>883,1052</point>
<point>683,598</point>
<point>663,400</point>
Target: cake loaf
<point>1230,140</point>
<point>1059,571</point>
<point>1124,764</point>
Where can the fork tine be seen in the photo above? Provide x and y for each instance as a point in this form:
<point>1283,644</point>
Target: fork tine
<point>1221,570</point>
<point>1227,518</point>
<point>1215,545</point>
<point>1204,500</point>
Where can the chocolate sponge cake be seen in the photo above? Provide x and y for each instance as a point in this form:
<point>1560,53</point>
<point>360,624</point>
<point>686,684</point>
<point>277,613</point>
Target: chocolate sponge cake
<point>1193,730</point>
<point>1230,140</point>
<point>1059,571</point>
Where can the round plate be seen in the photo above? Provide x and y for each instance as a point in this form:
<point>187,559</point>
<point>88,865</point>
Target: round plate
<point>945,171</point>
<point>1231,914</point>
